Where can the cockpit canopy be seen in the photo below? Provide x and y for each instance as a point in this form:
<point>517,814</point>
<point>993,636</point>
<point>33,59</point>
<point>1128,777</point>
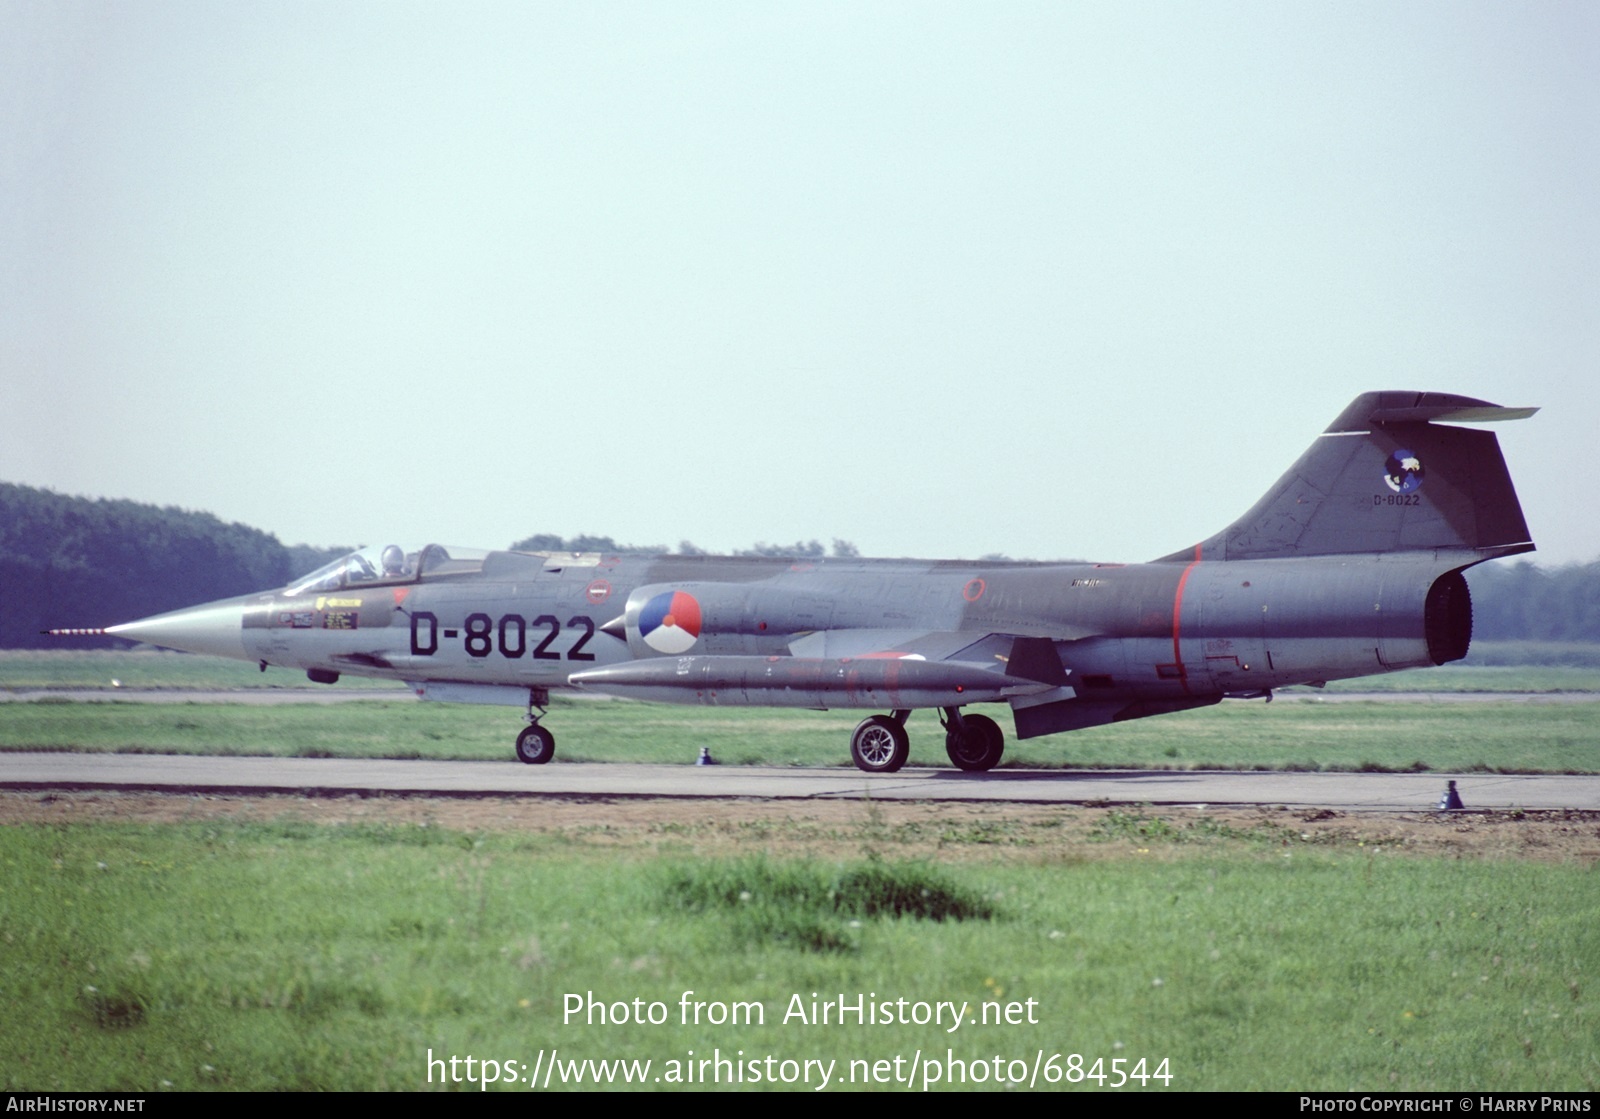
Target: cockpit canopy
<point>388,564</point>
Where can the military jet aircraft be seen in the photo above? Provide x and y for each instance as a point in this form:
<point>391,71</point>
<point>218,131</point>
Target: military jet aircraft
<point>1349,566</point>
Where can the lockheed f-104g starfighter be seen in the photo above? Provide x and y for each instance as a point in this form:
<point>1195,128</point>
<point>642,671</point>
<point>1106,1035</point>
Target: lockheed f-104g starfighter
<point>1349,565</point>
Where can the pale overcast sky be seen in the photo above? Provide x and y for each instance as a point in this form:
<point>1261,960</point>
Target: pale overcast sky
<point>1054,280</point>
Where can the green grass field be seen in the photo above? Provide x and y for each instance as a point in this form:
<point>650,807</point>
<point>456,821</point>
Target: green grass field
<point>1486,736</point>
<point>1517,669</point>
<point>1503,735</point>
<point>285,955</point>
<point>253,956</point>
<point>27,669</point>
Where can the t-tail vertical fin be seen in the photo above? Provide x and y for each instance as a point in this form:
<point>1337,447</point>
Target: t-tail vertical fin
<point>1389,475</point>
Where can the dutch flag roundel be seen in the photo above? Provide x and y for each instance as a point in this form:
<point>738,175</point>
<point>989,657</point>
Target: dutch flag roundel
<point>670,622</point>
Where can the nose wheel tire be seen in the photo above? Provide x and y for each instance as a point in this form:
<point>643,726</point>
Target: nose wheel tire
<point>880,745</point>
<point>535,745</point>
<point>975,744</point>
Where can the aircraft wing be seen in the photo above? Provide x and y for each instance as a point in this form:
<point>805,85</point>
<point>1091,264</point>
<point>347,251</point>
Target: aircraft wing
<point>989,649</point>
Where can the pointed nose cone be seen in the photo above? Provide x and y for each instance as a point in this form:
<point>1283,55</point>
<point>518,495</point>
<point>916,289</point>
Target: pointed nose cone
<point>214,629</point>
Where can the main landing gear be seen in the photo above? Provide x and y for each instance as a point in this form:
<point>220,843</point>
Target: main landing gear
<point>974,742</point>
<point>536,745</point>
<point>880,744</point>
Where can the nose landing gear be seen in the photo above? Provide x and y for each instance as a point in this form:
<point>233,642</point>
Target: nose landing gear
<point>536,745</point>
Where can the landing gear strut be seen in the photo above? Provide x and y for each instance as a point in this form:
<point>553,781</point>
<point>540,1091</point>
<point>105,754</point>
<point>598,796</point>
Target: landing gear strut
<point>536,745</point>
<point>974,742</point>
<point>880,743</point>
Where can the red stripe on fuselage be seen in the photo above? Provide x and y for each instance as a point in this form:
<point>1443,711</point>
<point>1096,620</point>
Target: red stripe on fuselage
<point>1177,620</point>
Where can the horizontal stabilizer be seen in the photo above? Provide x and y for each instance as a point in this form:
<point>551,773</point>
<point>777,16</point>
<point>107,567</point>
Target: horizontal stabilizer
<point>1421,407</point>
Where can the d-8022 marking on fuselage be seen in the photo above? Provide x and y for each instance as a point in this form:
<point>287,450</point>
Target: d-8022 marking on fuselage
<point>477,634</point>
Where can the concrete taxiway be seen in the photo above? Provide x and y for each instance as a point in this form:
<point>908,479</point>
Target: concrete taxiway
<point>1354,792</point>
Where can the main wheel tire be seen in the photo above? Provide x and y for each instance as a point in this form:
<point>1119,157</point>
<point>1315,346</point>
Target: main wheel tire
<point>535,745</point>
<point>976,744</point>
<point>880,745</point>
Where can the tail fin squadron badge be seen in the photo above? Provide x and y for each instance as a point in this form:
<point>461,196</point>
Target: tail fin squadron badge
<point>1403,471</point>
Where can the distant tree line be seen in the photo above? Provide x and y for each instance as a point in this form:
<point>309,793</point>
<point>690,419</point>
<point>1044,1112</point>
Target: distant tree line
<point>70,562</point>
<point>76,562</point>
<point>1522,602</point>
